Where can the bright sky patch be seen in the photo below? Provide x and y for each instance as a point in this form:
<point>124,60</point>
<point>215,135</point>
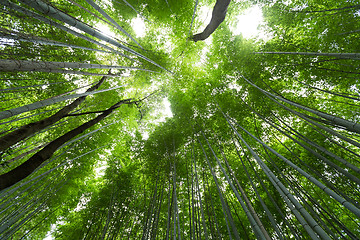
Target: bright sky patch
<point>138,25</point>
<point>248,23</point>
<point>167,108</point>
<point>204,15</point>
<point>106,30</point>
<point>164,112</point>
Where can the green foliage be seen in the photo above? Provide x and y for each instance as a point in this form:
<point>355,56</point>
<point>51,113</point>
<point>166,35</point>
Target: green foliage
<point>233,102</point>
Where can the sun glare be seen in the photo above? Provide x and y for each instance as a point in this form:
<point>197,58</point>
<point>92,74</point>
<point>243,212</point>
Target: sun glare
<point>138,25</point>
<point>204,14</point>
<point>248,23</point>
<point>167,108</point>
<point>164,112</point>
<point>106,30</point>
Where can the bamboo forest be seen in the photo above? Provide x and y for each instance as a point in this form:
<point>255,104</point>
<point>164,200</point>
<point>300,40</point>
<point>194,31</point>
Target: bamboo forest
<point>165,119</point>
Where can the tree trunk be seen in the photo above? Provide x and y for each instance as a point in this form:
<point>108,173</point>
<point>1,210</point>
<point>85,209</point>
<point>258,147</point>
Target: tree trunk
<point>307,119</point>
<point>10,178</point>
<point>55,24</point>
<point>283,216</point>
<point>23,88</point>
<point>194,226</point>
<point>47,102</point>
<point>157,214</point>
<point>24,65</point>
<point>330,92</point>
<point>22,155</point>
<point>218,16</point>
<point>213,210</point>
<point>34,39</point>
<point>29,129</point>
<point>55,13</point>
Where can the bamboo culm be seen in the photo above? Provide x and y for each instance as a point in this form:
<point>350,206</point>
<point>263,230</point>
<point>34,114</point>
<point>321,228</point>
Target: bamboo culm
<point>29,129</point>
<point>53,12</point>
<point>355,56</point>
<point>256,228</point>
<point>302,215</point>
<point>10,178</point>
<point>110,19</point>
<point>351,126</point>
<point>342,201</point>
<point>57,25</point>
<point>234,229</point>
<point>47,102</point>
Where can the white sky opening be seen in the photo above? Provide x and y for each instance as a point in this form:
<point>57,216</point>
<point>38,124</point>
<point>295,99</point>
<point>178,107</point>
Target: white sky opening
<point>138,26</point>
<point>53,229</point>
<point>5,42</point>
<point>164,112</point>
<point>101,167</point>
<point>106,30</point>
<point>48,234</point>
<point>204,15</point>
<point>248,24</point>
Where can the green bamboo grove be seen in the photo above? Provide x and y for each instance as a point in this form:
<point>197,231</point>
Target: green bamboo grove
<point>263,141</point>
